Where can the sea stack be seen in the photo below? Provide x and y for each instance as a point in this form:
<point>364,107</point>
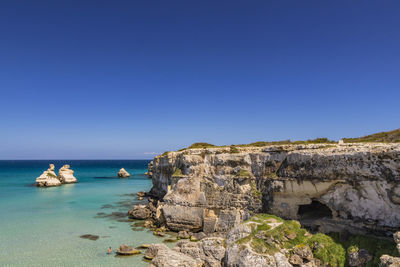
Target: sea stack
<point>66,175</point>
<point>123,173</point>
<point>48,178</point>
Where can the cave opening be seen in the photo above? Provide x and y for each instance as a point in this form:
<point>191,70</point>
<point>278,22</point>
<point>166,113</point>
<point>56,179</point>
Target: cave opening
<point>315,210</point>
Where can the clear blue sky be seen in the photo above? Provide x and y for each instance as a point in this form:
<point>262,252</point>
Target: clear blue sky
<point>123,79</point>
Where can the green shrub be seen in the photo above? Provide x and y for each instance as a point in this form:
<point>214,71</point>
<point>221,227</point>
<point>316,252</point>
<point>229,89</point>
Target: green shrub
<point>233,149</point>
<point>382,137</point>
<point>327,250</point>
<point>375,246</point>
<point>201,145</point>
<point>290,234</point>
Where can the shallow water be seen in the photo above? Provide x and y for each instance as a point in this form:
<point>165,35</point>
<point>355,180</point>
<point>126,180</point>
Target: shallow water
<point>42,226</point>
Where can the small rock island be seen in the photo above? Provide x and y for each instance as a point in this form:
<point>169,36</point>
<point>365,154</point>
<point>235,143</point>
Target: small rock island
<point>66,175</point>
<point>123,173</point>
<point>49,178</point>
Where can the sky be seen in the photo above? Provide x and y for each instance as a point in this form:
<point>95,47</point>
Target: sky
<point>131,79</point>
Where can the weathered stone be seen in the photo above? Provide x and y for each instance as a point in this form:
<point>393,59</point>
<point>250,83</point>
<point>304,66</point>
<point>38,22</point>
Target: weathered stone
<point>66,175</point>
<point>295,259</point>
<point>281,260</point>
<point>209,250</point>
<point>352,182</point>
<point>199,235</point>
<point>179,218</point>
<point>140,212</point>
<point>359,258</point>
<point>389,261</point>
<point>396,237</point>
<point>141,194</point>
<point>304,252</point>
<point>123,173</point>
<point>127,250</point>
<point>162,256</point>
<point>183,235</point>
<point>48,178</point>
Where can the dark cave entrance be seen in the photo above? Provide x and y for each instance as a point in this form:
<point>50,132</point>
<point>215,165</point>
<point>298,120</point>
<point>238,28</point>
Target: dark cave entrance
<point>315,210</point>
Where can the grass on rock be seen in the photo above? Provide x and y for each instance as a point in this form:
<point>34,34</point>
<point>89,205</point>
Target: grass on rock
<point>330,249</point>
<point>289,234</point>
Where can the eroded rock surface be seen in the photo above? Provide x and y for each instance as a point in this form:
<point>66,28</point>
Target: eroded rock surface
<point>123,173</point>
<point>48,178</point>
<point>141,212</point>
<point>162,256</point>
<point>66,175</point>
<point>390,261</point>
<point>348,186</point>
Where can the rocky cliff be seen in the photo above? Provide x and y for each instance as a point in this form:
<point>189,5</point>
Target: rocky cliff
<point>328,186</point>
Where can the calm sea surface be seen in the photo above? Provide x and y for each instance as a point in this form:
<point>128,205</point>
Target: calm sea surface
<point>42,226</point>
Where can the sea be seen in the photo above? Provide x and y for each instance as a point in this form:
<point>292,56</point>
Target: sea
<point>44,226</point>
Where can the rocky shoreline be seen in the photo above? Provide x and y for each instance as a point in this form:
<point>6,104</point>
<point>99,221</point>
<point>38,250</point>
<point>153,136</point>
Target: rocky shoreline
<point>212,194</point>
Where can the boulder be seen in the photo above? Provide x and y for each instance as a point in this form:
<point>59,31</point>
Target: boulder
<point>127,250</point>
<point>123,173</point>
<point>162,256</point>
<point>48,178</point>
<point>389,261</point>
<point>359,258</point>
<point>183,235</point>
<point>66,175</point>
<point>396,237</point>
<point>140,212</point>
<point>209,251</point>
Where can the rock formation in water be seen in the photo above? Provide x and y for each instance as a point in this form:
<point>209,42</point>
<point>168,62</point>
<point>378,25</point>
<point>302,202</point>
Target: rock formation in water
<point>66,175</point>
<point>331,187</point>
<point>48,178</point>
<point>123,173</point>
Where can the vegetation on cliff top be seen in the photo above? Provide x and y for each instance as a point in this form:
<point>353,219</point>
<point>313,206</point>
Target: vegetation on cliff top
<point>382,137</point>
<point>233,148</point>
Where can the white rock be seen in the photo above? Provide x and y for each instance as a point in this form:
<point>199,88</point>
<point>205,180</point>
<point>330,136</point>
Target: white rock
<point>66,175</point>
<point>48,178</point>
<point>123,173</point>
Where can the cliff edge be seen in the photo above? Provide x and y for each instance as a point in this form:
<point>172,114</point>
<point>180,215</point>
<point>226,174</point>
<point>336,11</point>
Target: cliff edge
<point>351,186</point>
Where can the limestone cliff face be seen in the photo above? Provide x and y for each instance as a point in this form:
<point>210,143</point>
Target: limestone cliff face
<point>357,185</point>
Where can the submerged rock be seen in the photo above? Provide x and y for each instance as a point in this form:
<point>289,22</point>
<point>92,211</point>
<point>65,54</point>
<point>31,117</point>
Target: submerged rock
<point>48,178</point>
<point>66,175</point>
<point>90,237</point>
<point>123,173</point>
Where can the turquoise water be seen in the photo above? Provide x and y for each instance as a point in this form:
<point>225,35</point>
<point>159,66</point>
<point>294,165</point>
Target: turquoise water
<point>42,226</point>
